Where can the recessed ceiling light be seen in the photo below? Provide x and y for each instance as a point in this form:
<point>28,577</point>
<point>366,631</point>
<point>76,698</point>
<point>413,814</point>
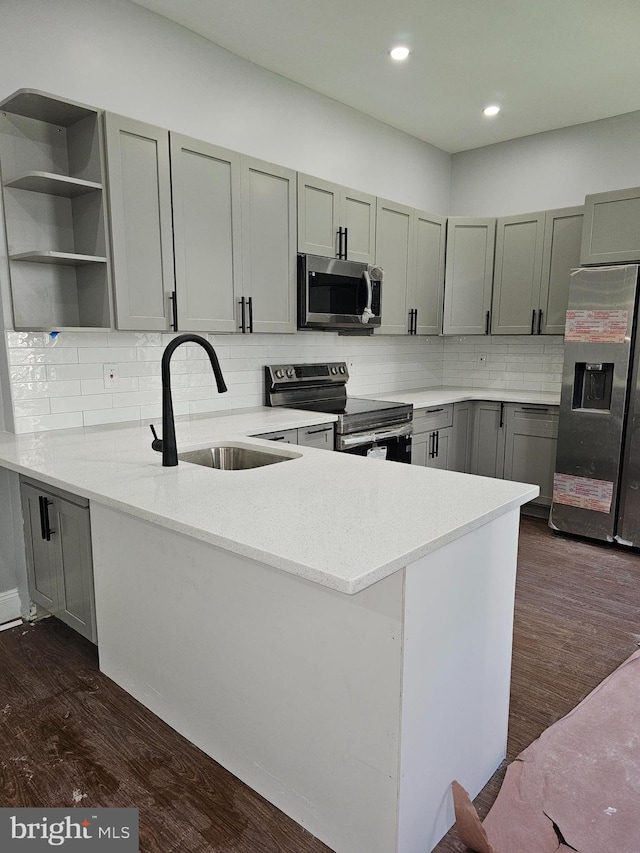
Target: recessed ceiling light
<point>491,111</point>
<point>399,53</point>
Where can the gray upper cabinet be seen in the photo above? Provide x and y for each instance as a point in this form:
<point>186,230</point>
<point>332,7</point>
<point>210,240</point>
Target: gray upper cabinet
<point>426,289</point>
<point>517,274</point>
<point>395,254</point>
<point>141,222</point>
<point>334,221</point>
<point>269,244</point>
<point>561,254</point>
<point>205,183</point>
<point>468,275</point>
<point>410,248</point>
<point>535,254</point>
<point>611,232</point>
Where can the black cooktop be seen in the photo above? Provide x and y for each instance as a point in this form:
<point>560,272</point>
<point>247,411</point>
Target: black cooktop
<point>348,407</point>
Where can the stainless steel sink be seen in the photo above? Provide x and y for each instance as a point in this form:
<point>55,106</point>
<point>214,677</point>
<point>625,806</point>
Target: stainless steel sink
<point>235,457</point>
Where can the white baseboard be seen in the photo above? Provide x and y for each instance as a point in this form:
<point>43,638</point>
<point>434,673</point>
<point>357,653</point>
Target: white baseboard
<point>9,606</point>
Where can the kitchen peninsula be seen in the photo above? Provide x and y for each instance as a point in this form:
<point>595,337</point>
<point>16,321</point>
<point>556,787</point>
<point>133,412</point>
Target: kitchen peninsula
<point>335,631</point>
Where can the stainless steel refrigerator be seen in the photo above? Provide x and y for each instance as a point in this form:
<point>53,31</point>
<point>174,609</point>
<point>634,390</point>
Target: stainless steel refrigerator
<point>596,489</point>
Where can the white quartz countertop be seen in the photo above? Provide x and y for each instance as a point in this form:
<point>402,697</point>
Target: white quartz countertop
<point>339,520</point>
<point>442,394</point>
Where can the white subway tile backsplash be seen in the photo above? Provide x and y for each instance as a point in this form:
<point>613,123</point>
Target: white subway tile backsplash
<point>105,355</point>
<point>60,377</point>
<point>25,339</point>
<point>27,408</point>
<point>80,403</point>
<point>43,355</point>
<point>47,422</point>
<point>111,416</point>
<point>77,339</point>
<point>56,372</point>
<point>96,386</point>
<point>33,390</point>
<point>28,373</point>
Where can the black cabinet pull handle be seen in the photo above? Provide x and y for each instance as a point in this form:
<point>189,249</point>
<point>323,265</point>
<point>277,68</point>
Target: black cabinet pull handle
<point>250,304</point>
<point>316,431</point>
<point>243,325</point>
<point>533,321</point>
<point>346,244</point>
<point>501,415</point>
<point>45,527</point>
<point>410,321</point>
<point>278,438</point>
<point>415,321</point>
<point>540,321</point>
<point>535,408</point>
<point>432,445</point>
<point>487,323</point>
<point>433,411</point>
<point>174,311</point>
<point>437,453</point>
<point>339,252</point>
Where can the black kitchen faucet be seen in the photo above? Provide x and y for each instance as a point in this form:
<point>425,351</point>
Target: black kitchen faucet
<point>167,444</point>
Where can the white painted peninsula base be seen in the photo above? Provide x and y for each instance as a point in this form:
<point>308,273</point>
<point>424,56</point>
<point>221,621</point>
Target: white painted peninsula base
<point>351,713</point>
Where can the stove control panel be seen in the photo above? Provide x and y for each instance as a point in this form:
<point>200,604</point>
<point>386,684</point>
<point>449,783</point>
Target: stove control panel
<point>307,374</point>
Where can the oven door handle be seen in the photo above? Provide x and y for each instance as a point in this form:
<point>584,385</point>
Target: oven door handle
<point>359,438</point>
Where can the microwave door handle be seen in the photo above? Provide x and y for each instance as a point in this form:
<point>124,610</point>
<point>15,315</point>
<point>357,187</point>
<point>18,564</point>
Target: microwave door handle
<point>367,314</point>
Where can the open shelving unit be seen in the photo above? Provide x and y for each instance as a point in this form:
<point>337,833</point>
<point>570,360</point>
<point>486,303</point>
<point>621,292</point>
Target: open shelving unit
<point>52,165</point>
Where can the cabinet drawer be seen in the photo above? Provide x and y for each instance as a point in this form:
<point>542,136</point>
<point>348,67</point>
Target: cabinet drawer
<point>320,436</point>
<point>536,420</point>
<point>435,417</point>
<point>286,436</point>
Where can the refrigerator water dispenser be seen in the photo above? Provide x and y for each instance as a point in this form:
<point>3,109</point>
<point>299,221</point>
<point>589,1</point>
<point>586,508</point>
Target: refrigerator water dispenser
<point>592,386</point>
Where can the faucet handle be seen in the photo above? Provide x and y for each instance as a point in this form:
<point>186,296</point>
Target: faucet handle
<point>156,444</point>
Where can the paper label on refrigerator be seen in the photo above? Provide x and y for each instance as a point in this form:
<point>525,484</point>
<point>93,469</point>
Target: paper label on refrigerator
<point>596,326</point>
<point>583,492</point>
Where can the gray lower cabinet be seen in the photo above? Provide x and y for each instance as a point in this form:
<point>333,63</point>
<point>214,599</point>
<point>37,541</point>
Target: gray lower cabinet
<point>462,435</point>
<point>468,275</point>
<point>141,222</point>
<point>432,441</point>
<point>530,441</point>
<point>611,232</point>
<point>319,435</point>
<point>487,442</point>
<point>58,549</point>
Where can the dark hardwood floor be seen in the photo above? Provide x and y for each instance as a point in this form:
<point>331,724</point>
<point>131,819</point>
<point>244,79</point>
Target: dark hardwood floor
<point>577,618</point>
<point>69,736</point>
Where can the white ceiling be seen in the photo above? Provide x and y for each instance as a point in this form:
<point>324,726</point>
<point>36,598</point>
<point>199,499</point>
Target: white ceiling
<point>548,63</point>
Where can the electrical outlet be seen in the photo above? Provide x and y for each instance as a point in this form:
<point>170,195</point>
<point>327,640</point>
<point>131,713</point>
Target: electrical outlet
<point>111,378</point>
<point>482,359</point>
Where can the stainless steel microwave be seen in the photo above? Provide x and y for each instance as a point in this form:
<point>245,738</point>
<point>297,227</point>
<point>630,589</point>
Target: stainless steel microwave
<point>335,294</point>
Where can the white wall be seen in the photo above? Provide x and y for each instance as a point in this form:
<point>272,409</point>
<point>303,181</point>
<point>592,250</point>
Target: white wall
<point>120,57</point>
<point>547,170</point>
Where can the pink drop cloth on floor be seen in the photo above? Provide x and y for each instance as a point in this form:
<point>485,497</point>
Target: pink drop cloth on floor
<point>575,788</point>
